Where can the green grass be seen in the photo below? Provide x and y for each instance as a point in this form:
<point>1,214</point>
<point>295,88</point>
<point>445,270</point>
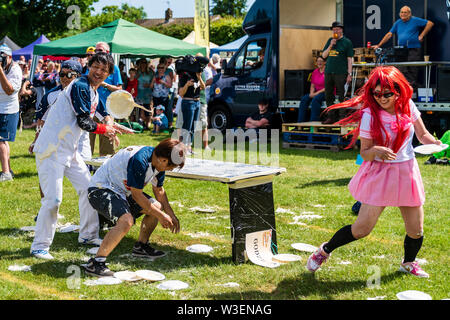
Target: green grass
<point>312,178</point>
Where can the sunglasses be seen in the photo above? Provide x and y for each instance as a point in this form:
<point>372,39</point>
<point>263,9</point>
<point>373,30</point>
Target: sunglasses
<point>69,74</point>
<point>386,95</point>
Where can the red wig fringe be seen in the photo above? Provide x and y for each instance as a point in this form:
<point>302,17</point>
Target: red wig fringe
<point>387,77</point>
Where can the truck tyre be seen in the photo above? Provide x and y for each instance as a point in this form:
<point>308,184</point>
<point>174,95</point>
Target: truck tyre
<point>219,118</point>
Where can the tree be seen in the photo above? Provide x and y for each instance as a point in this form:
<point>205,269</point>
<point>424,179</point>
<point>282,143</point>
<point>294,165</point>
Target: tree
<point>26,20</point>
<point>234,8</point>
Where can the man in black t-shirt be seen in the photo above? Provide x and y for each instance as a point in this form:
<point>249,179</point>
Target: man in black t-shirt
<point>261,119</point>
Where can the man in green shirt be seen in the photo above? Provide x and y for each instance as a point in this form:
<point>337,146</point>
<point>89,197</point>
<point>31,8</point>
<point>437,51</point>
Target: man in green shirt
<point>338,53</point>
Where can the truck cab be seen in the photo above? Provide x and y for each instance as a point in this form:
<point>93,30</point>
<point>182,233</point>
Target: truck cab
<point>250,74</point>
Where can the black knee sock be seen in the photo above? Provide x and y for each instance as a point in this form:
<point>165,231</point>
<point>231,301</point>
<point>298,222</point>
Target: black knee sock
<point>340,238</point>
<point>412,247</point>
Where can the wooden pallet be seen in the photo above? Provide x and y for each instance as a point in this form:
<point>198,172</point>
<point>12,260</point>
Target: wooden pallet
<point>309,146</point>
<point>364,58</point>
<point>362,51</point>
<point>315,127</point>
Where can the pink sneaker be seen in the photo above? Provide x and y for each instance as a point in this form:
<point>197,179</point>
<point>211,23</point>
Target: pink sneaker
<point>414,269</point>
<point>316,259</point>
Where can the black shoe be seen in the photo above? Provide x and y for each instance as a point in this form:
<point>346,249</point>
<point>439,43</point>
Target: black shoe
<point>431,160</point>
<point>97,269</point>
<point>144,250</point>
<point>12,173</point>
<point>442,161</point>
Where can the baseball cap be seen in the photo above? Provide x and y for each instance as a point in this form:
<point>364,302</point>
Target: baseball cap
<point>6,50</point>
<point>337,24</point>
<point>90,50</point>
<point>72,65</point>
<point>160,107</point>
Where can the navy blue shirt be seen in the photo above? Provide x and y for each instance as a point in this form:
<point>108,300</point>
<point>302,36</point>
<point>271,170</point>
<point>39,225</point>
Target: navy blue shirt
<point>137,168</point>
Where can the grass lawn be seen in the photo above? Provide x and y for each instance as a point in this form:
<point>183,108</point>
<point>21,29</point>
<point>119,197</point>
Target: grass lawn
<point>315,183</point>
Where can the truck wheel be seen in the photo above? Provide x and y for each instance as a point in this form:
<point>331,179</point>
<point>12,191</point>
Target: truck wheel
<point>220,118</point>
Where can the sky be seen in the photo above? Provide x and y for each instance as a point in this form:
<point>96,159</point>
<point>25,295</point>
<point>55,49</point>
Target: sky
<point>156,8</point>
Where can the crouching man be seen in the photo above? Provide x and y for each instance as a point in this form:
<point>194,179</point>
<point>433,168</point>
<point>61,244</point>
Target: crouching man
<point>116,192</point>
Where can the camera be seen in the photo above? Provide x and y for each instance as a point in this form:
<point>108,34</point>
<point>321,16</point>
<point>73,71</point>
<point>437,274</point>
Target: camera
<point>3,61</point>
<point>191,65</point>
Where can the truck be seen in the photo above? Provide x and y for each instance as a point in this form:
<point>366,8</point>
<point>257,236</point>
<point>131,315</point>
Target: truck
<point>282,35</point>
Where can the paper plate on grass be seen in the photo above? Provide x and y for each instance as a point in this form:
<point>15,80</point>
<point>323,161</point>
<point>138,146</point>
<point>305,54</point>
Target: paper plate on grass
<point>21,268</point>
<point>203,210</point>
<point>150,275</point>
<point>304,247</point>
<point>126,276</point>
<point>93,250</point>
<point>430,148</point>
<point>28,228</point>
<point>70,228</point>
<point>199,248</point>
<point>286,257</point>
<point>103,281</point>
<point>413,295</point>
<point>172,285</point>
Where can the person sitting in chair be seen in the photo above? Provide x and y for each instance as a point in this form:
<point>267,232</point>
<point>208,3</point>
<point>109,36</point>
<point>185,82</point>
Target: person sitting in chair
<point>260,119</point>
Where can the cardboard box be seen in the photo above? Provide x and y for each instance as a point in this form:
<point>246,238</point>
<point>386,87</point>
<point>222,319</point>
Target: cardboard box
<point>425,95</point>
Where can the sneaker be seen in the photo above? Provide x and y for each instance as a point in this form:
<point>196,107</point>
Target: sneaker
<point>95,242</point>
<point>12,173</point>
<point>42,254</point>
<point>442,161</point>
<point>5,176</point>
<point>316,259</point>
<point>97,269</point>
<point>414,269</point>
<point>144,250</point>
<point>431,160</point>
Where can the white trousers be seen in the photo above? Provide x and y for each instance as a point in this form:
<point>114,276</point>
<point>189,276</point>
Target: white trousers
<point>51,176</point>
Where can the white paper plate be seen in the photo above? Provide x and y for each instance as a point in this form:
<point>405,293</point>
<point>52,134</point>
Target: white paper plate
<point>430,148</point>
<point>22,268</point>
<point>199,248</point>
<point>93,250</point>
<point>203,210</point>
<point>70,228</point>
<point>126,276</point>
<point>29,228</point>
<point>304,247</point>
<point>286,257</point>
<point>172,285</point>
<point>103,281</point>
<point>413,295</point>
<point>150,275</point>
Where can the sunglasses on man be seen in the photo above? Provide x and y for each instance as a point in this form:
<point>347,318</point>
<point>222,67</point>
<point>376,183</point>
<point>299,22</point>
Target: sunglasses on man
<point>69,74</point>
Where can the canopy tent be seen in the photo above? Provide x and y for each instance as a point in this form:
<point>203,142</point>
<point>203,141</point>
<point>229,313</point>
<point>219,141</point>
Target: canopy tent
<point>6,40</point>
<point>27,51</point>
<point>190,38</point>
<point>124,38</point>
<point>234,46</point>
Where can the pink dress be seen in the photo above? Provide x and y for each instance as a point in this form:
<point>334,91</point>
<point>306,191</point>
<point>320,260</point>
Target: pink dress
<point>395,183</point>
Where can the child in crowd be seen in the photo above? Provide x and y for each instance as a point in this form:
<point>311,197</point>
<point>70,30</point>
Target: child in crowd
<point>160,121</point>
<point>387,119</point>
<point>132,83</point>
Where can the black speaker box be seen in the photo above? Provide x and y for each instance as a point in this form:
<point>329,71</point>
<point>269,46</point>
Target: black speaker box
<point>397,54</point>
<point>296,84</point>
<point>443,84</point>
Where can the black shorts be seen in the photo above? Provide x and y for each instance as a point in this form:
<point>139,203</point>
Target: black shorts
<point>111,206</point>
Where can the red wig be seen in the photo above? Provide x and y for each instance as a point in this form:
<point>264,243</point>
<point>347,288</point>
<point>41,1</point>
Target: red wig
<point>386,77</point>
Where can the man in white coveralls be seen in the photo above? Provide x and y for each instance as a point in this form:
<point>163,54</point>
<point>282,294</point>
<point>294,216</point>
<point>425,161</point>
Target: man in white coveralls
<point>57,154</point>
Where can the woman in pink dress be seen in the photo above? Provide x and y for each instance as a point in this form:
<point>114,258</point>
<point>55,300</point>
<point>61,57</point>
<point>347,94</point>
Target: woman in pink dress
<point>389,176</point>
